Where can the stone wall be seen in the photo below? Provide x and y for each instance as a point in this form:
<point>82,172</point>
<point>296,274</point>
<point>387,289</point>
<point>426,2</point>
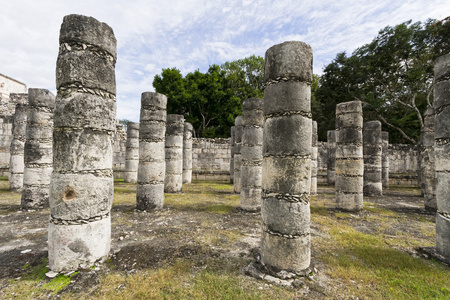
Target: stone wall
<point>119,150</point>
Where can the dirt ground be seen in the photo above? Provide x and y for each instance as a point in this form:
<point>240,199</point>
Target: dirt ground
<point>154,239</point>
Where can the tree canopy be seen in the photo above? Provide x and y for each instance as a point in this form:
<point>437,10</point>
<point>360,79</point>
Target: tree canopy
<point>211,101</point>
<point>392,76</point>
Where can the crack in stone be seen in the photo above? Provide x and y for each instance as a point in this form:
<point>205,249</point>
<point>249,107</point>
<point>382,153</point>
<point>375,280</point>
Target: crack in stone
<point>68,89</point>
<point>58,221</point>
<point>442,141</point>
<point>303,198</point>
<point>97,173</point>
<point>441,108</point>
<point>285,79</point>
<point>283,235</point>
<point>152,182</point>
<point>74,46</point>
<point>289,113</point>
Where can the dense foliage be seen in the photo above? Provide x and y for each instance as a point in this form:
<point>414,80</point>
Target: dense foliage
<point>211,101</point>
<point>392,76</point>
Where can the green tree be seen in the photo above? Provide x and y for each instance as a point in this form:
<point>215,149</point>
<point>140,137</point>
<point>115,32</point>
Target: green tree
<point>392,76</point>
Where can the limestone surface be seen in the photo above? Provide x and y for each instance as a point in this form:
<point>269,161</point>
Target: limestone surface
<point>314,153</point>
<point>286,167</point>
<point>132,153</point>
<point>331,157</point>
<point>385,159</point>
<point>349,163</point>
<point>251,152</point>
<point>372,149</point>
<point>16,163</point>
<point>173,181</point>
<point>232,142</point>
<point>237,154</point>
<point>187,152</point>
<point>442,153</point>
<point>152,164</point>
<point>82,187</point>
<point>38,151</point>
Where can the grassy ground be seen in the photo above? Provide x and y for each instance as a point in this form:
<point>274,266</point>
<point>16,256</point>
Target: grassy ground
<point>197,246</point>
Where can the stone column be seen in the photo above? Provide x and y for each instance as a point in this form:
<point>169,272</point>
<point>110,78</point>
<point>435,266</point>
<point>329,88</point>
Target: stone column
<point>187,152</point>
<point>173,180</point>
<point>442,153</point>
<point>251,152</point>
<point>82,188</point>
<point>385,160</point>
<point>16,162</point>
<point>331,157</point>
<point>372,147</point>
<point>427,160</point>
<point>152,164</point>
<point>314,150</point>
<point>349,156</point>
<point>132,153</point>
<point>38,152</point>
<point>286,179</point>
<point>232,146</point>
<point>237,154</point>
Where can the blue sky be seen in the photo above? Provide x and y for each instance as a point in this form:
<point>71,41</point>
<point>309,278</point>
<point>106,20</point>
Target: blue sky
<point>193,34</point>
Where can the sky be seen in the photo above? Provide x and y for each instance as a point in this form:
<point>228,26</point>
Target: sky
<point>193,34</point>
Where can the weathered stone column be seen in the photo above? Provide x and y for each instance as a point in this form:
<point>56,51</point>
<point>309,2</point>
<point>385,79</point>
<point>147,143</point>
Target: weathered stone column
<point>251,152</point>
<point>331,157</point>
<point>427,172</point>
<point>286,178</point>
<point>314,150</point>
<point>16,162</point>
<point>82,188</point>
<point>237,154</point>
<point>132,152</point>
<point>372,148</point>
<point>232,154</point>
<point>187,152</point>
<point>152,164</point>
<point>442,153</point>
<point>349,156</point>
<point>385,160</point>
<point>173,181</point>
<point>38,152</point>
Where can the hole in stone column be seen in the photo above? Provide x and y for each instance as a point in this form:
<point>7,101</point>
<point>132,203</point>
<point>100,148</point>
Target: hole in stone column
<point>69,194</point>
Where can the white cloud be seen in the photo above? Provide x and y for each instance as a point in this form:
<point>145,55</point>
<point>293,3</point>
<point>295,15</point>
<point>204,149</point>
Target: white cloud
<point>194,34</point>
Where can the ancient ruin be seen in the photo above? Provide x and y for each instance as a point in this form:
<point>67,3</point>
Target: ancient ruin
<point>331,159</point>
<point>173,181</point>
<point>442,153</point>
<point>427,171</point>
<point>152,164</point>
<point>16,163</point>
<point>286,179</point>
<point>314,153</point>
<point>232,141</point>
<point>237,154</point>
<point>38,152</point>
<point>187,152</point>
<point>251,152</point>
<point>372,149</point>
<point>385,160</point>
<point>349,156</point>
<point>132,153</point>
<point>82,188</point>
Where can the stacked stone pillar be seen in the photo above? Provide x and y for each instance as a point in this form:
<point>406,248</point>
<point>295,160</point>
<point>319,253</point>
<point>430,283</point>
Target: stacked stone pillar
<point>38,152</point>
<point>349,156</point>
<point>286,179</point>
<point>372,149</point>
<point>152,164</point>
<point>427,172</point>
<point>187,152</point>
<point>331,157</point>
<point>314,153</point>
<point>132,153</point>
<point>16,162</point>
<point>385,160</point>
<point>251,152</point>
<point>173,181</point>
<point>442,153</point>
<point>82,187</point>
<point>237,154</point>
<point>232,146</point>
